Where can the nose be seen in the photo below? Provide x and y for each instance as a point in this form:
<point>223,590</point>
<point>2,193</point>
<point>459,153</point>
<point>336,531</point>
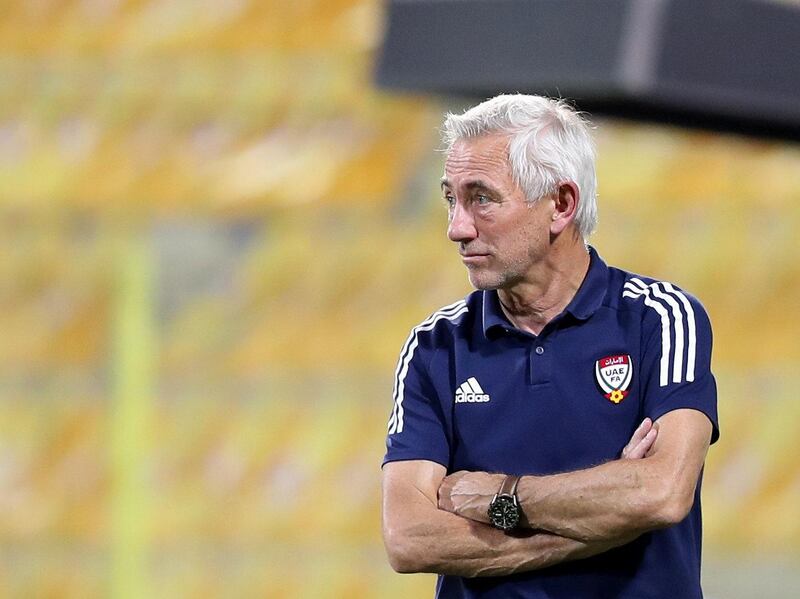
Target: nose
<point>461,227</point>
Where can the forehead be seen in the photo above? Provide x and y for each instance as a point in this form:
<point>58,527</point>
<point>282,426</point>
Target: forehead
<point>484,157</point>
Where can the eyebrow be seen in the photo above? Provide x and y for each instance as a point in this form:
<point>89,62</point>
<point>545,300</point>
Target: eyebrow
<point>476,184</point>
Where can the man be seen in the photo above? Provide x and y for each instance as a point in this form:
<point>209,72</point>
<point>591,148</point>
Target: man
<point>590,383</point>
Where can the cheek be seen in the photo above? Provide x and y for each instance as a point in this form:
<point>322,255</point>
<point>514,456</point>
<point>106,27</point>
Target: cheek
<point>529,242</point>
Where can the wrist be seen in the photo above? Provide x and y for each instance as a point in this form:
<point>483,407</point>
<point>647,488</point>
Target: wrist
<point>526,491</point>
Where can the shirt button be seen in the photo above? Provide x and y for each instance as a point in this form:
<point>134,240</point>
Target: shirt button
<point>540,350</point>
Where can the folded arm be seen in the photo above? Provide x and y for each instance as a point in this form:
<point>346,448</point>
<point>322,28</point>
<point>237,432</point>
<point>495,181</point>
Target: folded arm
<point>420,537</point>
<point>616,500</point>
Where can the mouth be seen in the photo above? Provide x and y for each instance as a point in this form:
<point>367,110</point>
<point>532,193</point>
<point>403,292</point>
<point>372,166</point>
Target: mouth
<point>474,258</point>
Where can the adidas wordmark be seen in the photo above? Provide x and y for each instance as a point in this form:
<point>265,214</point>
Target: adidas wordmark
<point>470,392</point>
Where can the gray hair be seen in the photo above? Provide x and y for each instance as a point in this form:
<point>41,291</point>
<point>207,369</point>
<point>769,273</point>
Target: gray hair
<point>549,142</point>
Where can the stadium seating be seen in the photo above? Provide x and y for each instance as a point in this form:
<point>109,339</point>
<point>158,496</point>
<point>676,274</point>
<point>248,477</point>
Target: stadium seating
<point>287,222</point>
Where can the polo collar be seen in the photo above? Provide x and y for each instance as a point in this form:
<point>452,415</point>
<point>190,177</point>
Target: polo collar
<point>587,300</point>
<point>493,315</point>
<point>593,289</point>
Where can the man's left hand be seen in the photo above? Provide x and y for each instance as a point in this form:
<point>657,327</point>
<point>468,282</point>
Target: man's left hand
<point>468,494</point>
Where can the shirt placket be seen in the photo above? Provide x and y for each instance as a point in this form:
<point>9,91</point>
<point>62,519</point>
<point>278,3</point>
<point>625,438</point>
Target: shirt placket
<point>540,361</point>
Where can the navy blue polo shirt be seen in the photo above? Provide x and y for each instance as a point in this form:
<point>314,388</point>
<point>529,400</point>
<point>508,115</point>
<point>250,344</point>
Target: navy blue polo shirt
<point>472,392</point>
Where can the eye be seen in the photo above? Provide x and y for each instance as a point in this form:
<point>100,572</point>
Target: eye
<point>449,200</point>
<point>482,199</point>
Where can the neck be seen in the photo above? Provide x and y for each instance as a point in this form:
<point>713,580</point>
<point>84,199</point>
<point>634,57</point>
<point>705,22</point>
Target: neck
<point>533,302</point>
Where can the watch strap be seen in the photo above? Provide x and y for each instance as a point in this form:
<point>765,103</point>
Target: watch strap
<point>509,486</point>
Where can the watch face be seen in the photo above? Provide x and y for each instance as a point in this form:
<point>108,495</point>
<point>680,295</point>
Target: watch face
<point>504,512</point>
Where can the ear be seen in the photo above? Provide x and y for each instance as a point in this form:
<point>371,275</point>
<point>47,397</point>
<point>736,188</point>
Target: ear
<point>565,203</point>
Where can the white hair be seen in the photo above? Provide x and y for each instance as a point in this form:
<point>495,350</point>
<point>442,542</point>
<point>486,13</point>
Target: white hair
<point>549,143</point>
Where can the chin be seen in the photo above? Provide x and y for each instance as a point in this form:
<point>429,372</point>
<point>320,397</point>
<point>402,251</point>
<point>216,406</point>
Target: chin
<point>488,280</point>
<point>484,281</point>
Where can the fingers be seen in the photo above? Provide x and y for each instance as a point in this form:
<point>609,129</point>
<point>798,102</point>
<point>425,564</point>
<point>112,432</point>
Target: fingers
<point>641,441</point>
<point>641,448</point>
<point>640,433</point>
<point>651,441</point>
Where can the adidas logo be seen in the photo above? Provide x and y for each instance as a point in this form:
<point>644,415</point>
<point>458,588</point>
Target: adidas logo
<point>470,392</point>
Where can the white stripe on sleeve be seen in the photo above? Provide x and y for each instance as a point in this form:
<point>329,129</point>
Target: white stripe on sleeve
<point>450,312</point>
<point>692,330</point>
<point>677,366</point>
<point>658,295</point>
<point>633,291</point>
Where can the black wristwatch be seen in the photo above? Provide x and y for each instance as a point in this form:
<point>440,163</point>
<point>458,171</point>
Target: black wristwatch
<point>504,511</point>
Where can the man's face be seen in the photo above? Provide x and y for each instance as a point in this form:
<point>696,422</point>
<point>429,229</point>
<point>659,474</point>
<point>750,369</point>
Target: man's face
<point>501,237</point>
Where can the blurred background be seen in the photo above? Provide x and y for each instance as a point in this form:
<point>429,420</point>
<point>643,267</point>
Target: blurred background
<point>215,234</point>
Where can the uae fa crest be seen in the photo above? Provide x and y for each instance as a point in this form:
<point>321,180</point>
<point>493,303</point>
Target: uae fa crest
<point>614,375</point>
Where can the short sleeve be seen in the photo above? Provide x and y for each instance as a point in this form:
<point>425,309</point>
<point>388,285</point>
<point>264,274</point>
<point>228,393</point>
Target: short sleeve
<point>676,359</point>
<point>417,429</point>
